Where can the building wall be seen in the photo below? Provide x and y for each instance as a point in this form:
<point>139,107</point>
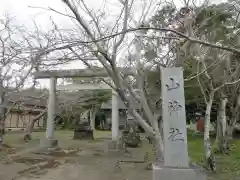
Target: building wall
<point>122,118</point>
<point>193,126</point>
<point>17,121</point>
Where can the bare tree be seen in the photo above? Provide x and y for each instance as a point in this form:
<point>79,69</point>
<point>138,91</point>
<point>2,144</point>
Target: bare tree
<point>22,52</point>
<point>107,52</point>
<point>14,68</point>
<point>106,44</point>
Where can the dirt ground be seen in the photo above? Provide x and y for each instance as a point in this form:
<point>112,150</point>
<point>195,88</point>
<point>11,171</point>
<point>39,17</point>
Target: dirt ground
<point>76,160</point>
<point>87,160</point>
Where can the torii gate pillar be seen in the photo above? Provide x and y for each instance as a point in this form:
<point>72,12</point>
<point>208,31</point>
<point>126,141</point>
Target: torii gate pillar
<point>49,141</point>
<point>115,116</point>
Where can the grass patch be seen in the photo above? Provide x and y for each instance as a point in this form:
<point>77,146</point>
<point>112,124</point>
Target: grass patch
<point>228,166</point>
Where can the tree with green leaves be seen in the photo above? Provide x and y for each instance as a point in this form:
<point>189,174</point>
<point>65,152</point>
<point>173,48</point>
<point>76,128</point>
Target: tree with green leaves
<point>214,68</point>
<point>208,71</point>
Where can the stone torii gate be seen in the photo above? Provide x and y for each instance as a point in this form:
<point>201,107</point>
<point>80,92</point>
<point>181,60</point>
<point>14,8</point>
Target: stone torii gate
<point>53,75</point>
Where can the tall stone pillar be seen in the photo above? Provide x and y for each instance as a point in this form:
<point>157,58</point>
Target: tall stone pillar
<point>51,108</point>
<point>51,113</point>
<point>176,161</point>
<point>115,116</point>
<point>92,119</point>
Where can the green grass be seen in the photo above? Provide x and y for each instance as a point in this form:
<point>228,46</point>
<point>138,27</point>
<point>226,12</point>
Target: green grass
<point>228,166</point>
<point>195,148</point>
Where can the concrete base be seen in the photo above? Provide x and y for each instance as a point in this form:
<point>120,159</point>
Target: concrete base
<point>48,143</point>
<point>170,173</point>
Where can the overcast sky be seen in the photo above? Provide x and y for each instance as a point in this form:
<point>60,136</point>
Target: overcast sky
<point>24,15</point>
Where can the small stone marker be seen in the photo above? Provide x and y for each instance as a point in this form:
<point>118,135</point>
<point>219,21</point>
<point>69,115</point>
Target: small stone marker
<point>174,118</point>
<point>83,131</point>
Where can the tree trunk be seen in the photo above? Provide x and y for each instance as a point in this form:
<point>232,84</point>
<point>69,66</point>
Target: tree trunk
<point>221,138</point>
<point>234,118</point>
<point>158,140</point>
<point>152,132</point>
<point>230,129</point>
<point>232,124</point>
<point>30,125</point>
<point>208,153</point>
<point>92,115</point>
<point>2,115</point>
<point>1,130</point>
<point>159,147</point>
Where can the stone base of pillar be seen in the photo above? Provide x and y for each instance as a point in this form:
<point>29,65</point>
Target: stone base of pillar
<point>165,173</point>
<point>48,143</point>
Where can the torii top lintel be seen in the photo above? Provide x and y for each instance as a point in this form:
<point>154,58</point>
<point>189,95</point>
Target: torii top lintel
<point>79,73</point>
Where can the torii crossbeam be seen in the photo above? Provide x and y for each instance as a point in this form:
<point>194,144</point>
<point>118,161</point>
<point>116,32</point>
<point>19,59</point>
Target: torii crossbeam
<point>98,72</point>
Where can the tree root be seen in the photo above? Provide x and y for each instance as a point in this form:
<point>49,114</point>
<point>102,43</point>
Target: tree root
<point>222,151</point>
<point>211,163</point>
<point>27,137</point>
<point>149,139</point>
<point>7,149</point>
<point>149,166</point>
